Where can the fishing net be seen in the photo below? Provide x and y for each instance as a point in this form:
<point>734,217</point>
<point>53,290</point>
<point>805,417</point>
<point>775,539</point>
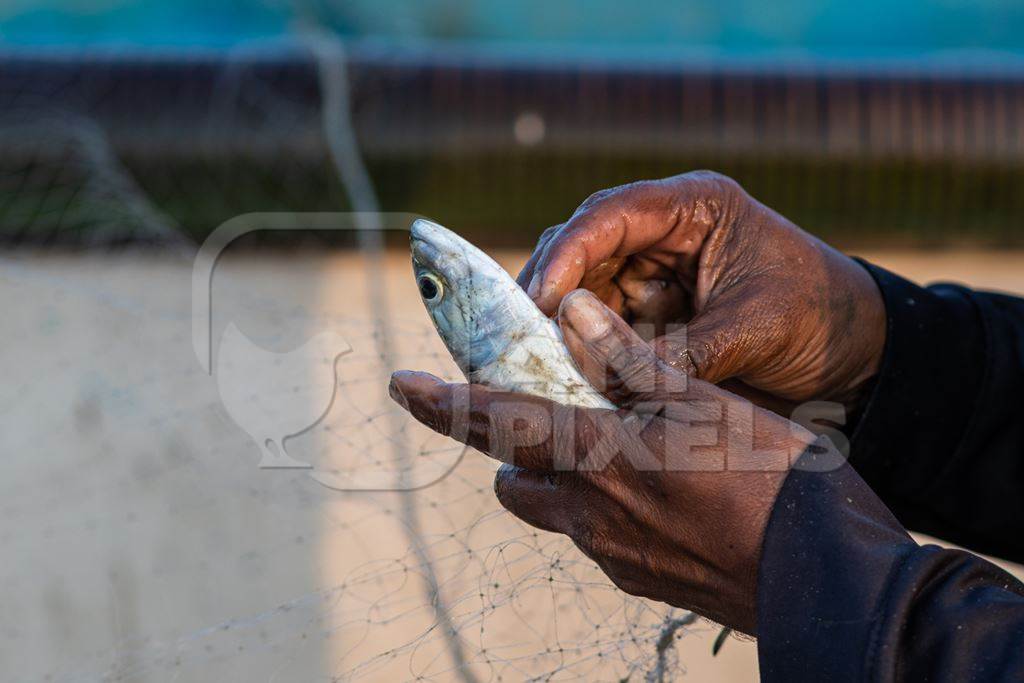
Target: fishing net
<point>151,546</point>
<point>62,183</point>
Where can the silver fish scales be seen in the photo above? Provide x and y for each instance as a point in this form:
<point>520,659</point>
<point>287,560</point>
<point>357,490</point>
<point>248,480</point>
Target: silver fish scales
<point>494,331</point>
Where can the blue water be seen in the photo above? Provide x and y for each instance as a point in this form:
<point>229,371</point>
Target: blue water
<point>869,27</point>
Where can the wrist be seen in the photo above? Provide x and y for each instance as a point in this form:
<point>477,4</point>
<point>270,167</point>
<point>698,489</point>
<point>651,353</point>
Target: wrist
<point>869,337</point>
<point>935,347</point>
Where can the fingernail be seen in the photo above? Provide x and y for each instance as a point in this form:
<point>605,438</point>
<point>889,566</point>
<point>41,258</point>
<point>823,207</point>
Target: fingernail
<point>396,392</point>
<point>534,289</point>
<point>586,315</point>
<point>548,293</point>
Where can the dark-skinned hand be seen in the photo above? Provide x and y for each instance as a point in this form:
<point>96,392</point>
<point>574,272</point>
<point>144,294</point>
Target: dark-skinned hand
<point>669,495</point>
<point>780,314</point>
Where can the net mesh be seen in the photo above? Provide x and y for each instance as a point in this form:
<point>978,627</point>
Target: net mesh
<point>437,583</point>
<point>62,183</point>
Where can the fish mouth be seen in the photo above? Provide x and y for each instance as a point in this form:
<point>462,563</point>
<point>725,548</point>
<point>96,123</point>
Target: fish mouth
<point>422,229</point>
<point>423,236</point>
<point>440,250</point>
<point>423,253</point>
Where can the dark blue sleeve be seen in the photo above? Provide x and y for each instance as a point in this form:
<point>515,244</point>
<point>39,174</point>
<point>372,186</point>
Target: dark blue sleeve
<point>844,593</point>
<point>941,440</point>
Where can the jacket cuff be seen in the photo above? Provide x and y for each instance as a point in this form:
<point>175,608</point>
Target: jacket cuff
<point>829,551</point>
<point>923,400</point>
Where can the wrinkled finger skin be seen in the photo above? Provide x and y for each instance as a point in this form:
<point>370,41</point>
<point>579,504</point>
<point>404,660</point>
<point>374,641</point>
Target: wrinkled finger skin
<point>669,495</point>
<point>776,312</point>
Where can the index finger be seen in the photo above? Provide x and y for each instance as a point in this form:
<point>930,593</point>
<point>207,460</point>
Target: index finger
<point>526,274</point>
<point>679,211</point>
<point>519,429</point>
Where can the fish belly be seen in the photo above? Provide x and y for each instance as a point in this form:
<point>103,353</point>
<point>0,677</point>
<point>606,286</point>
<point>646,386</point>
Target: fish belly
<point>541,365</point>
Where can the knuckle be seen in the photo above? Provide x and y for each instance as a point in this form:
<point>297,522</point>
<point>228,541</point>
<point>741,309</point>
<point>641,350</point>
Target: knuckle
<point>632,366</point>
<point>612,202</point>
<point>599,196</point>
<point>550,232</point>
<point>719,181</point>
<point>620,193</point>
<point>591,542</point>
<point>625,578</point>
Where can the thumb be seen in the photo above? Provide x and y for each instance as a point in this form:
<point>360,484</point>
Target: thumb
<point>719,347</point>
<point>708,347</point>
<point>734,334</point>
<point>613,358</point>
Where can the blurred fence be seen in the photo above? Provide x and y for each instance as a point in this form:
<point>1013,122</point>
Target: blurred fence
<point>501,147</point>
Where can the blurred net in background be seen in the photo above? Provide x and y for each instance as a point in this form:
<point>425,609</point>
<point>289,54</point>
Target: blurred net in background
<point>63,184</point>
<point>503,146</point>
<point>148,513</point>
<point>151,547</point>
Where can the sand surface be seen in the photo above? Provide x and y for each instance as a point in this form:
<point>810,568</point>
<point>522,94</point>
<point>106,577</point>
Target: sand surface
<point>144,543</point>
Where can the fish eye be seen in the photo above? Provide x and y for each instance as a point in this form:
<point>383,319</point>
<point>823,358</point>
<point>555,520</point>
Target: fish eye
<point>430,288</point>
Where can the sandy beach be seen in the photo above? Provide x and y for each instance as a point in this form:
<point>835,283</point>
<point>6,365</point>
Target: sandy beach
<point>144,542</point>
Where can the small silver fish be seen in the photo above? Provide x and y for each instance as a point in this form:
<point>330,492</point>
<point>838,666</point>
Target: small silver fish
<point>494,331</point>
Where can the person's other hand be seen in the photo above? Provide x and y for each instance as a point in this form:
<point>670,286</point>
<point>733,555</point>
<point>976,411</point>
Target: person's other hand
<point>765,303</point>
<point>669,495</point>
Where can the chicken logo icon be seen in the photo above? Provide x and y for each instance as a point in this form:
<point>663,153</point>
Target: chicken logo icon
<point>275,396</point>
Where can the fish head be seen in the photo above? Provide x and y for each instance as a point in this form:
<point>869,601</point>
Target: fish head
<point>476,306</point>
